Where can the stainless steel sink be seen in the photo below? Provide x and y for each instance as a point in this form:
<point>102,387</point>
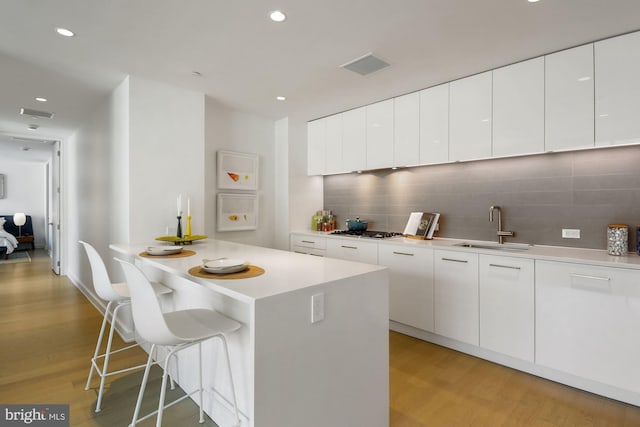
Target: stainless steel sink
<point>495,246</point>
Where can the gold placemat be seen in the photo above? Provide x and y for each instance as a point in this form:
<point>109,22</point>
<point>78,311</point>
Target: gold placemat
<point>186,240</point>
<point>252,271</point>
<point>182,254</point>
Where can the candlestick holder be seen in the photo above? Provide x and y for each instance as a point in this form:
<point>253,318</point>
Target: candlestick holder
<point>179,229</point>
<point>188,225</point>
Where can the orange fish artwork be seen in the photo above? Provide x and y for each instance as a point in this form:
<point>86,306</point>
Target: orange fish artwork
<point>234,176</point>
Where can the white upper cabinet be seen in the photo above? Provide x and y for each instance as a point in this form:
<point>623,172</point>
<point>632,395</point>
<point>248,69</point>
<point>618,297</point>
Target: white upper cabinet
<point>316,132</point>
<point>569,99</point>
<point>470,118</point>
<point>617,90</point>
<point>518,108</point>
<point>333,145</point>
<point>434,125</point>
<point>354,140</point>
<point>406,143</point>
<point>380,135</point>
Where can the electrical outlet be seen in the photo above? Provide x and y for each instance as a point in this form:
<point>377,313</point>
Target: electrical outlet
<point>570,233</point>
<point>317,307</point>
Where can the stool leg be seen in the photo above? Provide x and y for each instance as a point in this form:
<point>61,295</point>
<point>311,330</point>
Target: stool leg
<point>233,388</point>
<point>107,354</point>
<point>163,390</point>
<point>97,351</point>
<point>145,378</point>
<point>200,382</point>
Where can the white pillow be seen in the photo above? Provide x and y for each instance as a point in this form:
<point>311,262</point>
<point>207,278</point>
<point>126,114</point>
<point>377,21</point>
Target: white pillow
<point>2,221</point>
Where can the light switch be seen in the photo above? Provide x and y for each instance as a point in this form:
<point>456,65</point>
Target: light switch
<point>317,307</point>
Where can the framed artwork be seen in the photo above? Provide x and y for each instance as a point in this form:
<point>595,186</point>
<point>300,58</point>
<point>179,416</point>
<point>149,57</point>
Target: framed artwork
<point>237,171</point>
<point>237,212</point>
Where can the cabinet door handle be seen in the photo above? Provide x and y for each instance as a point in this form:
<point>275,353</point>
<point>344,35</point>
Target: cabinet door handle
<point>349,247</point>
<point>512,267</point>
<point>309,241</point>
<point>455,260</point>
<point>591,283</point>
<point>402,253</point>
<point>321,256</point>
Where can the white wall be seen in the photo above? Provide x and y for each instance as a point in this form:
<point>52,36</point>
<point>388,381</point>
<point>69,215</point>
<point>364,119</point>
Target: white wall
<point>25,191</point>
<point>229,129</point>
<point>90,213</point>
<point>305,192</point>
<point>165,157</point>
<point>281,166</point>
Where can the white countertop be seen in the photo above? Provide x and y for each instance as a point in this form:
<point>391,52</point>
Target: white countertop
<point>542,252</point>
<point>284,271</point>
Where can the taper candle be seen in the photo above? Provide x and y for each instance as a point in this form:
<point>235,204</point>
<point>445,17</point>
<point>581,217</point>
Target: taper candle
<point>188,206</point>
<point>179,203</point>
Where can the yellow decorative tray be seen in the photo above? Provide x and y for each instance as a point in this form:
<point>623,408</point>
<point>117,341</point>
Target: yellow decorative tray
<point>186,240</point>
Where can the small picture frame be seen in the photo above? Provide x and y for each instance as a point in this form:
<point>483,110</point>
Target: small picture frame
<point>237,171</point>
<point>237,212</point>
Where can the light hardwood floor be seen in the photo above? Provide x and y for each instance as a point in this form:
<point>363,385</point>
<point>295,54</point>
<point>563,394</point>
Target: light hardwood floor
<point>48,330</point>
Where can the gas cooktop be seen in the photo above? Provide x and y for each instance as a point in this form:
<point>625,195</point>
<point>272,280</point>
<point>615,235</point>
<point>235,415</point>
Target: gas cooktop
<point>368,233</point>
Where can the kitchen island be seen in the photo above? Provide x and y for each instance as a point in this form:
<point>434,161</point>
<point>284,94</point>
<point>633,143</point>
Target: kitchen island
<point>288,370</point>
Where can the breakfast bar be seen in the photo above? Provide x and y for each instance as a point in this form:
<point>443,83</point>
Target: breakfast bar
<point>313,349</point>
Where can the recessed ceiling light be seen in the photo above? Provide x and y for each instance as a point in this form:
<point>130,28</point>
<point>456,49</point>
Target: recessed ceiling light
<point>65,32</point>
<point>533,1</point>
<point>584,79</point>
<point>281,98</point>
<point>277,16</point>
<point>39,99</point>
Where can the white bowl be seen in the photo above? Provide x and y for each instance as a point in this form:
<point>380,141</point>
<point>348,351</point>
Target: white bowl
<point>163,250</point>
<point>224,265</point>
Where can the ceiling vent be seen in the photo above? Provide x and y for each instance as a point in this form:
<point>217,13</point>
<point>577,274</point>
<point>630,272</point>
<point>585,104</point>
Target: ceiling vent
<point>365,65</point>
<point>35,113</point>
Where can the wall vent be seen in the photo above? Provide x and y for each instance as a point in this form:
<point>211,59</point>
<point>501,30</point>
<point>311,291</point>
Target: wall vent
<point>35,113</point>
<point>25,139</point>
<point>365,65</point>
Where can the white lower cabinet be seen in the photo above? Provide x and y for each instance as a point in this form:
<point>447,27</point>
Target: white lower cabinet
<point>588,322</point>
<point>456,295</point>
<point>353,250</point>
<point>507,305</point>
<point>410,284</point>
<point>308,244</point>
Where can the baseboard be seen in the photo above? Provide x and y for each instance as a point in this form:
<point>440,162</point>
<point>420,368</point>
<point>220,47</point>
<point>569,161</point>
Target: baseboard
<point>124,330</point>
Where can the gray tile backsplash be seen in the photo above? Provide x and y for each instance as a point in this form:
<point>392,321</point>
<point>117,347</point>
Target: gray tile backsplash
<point>539,196</point>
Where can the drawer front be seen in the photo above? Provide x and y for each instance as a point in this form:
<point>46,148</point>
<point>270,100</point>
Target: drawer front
<point>308,251</point>
<point>588,322</point>
<point>307,241</point>
<point>353,250</point>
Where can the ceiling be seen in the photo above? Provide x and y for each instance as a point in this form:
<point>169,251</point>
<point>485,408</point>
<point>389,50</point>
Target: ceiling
<point>245,60</point>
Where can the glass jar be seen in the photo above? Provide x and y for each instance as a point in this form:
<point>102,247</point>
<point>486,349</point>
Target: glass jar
<point>617,239</point>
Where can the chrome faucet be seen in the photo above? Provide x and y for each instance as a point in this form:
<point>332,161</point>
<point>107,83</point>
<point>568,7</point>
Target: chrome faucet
<point>501,234</point>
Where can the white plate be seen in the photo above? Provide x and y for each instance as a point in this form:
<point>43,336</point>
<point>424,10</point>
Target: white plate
<point>225,265</point>
<point>163,250</point>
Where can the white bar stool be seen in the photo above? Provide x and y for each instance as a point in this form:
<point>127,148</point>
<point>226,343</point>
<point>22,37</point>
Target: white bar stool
<point>116,294</point>
<point>177,330</point>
